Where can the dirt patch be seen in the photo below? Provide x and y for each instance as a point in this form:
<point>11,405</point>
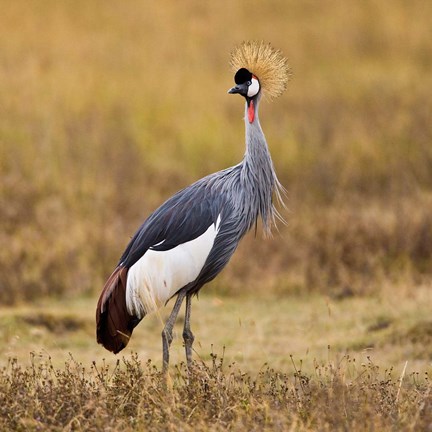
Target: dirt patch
<point>380,323</point>
<point>420,332</point>
<point>417,339</point>
<point>55,324</point>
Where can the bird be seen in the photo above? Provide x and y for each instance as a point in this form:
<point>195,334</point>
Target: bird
<point>189,239</point>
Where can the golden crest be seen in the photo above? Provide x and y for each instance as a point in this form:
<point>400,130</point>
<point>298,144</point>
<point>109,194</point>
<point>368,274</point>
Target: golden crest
<point>266,63</point>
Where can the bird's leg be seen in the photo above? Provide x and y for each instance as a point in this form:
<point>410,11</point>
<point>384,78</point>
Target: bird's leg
<point>168,329</point>
<point>188,336</point>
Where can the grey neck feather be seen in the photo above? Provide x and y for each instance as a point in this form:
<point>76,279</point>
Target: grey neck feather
<point>258,175</point>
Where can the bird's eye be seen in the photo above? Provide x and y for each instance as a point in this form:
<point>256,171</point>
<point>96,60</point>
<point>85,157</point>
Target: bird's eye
<point>249,83</point>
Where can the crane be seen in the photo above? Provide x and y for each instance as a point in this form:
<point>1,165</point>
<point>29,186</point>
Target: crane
<point>190,238</point>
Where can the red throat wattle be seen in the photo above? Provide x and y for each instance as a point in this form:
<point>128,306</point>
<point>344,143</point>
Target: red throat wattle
<point>251,111</point>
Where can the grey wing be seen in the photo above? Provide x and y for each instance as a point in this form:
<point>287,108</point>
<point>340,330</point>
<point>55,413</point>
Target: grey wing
<point>182,218</point>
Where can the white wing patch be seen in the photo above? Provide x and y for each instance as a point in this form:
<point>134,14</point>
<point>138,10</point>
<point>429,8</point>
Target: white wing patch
<point>158,275</point>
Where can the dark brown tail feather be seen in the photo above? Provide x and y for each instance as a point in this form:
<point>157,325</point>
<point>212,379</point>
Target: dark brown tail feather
<point>114,325</point>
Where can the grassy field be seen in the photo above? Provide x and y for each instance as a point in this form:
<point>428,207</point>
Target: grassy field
<point>303,363</point>
<point>253,331</point>
<point>107,108</point>
<point>134,396</point>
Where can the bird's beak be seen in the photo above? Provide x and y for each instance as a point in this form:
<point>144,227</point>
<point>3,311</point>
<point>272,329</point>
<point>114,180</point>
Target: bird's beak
<point>239,88</point>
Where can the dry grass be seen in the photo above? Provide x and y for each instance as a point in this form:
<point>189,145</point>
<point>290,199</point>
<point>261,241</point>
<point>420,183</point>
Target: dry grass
<point>298,363</point>
<point>251,330</point>
<point>135,396</point>
<point>109,108</point>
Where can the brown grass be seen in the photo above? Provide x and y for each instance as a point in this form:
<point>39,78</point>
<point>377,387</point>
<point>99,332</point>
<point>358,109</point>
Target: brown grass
<point>303,362</point>
<point>108,108</point>
<point>135,396</point>
<point>251,330</point>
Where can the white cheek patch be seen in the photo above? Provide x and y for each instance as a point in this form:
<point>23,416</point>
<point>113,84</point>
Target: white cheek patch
<point>253,88</point>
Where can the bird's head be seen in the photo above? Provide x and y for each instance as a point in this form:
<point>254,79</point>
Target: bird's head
<point>247,84</point>
<point>259,69</point>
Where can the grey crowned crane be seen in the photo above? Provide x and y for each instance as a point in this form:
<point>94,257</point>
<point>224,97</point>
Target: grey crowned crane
<point>190,238</point>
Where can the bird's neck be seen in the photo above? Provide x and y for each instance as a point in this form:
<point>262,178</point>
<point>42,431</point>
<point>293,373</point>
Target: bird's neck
<point>258,174</point>
<point>256,143</point>
<point>257,156</point>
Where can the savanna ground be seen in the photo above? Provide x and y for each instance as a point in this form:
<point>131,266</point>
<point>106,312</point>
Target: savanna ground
<point>107,108</point>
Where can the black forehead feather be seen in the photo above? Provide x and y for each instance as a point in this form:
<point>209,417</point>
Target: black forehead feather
<point>242,75</point>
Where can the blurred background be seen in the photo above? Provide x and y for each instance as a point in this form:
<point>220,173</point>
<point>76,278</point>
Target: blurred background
<point>107,108</point>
